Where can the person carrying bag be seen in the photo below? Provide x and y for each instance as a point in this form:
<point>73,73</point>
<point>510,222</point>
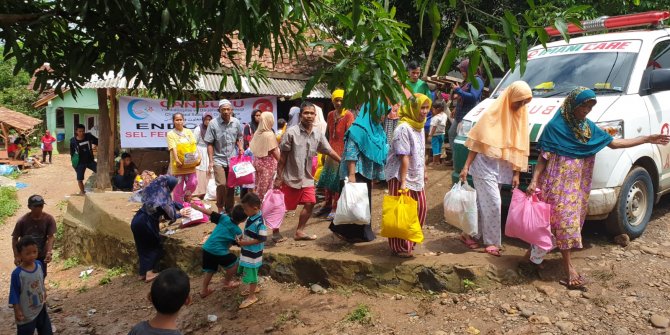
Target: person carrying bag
<point>353,205</point>
<point>528,220</point>
<point>460,208</point>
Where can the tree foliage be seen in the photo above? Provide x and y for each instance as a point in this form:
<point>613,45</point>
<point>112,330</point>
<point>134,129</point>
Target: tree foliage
<point>14,92</point>
<point>165,44</point>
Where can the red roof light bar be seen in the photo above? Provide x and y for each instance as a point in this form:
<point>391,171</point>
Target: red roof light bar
<point>614,22</point>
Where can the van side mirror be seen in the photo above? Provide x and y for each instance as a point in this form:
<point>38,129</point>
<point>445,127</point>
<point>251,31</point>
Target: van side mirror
<point>659,80</point>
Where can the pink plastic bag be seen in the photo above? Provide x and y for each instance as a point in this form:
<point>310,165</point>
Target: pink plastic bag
<point>273,208</point>
<point>528,220</point>
<point>240,163</point>
<point>196,217</point>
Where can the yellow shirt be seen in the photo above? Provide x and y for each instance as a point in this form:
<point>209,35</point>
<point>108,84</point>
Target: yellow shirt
<point>174,137</point>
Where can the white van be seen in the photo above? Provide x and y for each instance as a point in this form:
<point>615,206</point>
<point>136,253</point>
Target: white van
<point>630,73</point>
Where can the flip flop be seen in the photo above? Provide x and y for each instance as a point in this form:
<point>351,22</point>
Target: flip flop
<point>248,302</point>
<point>469,242</point>
<point>330,217</point>
<point>493,251</point>
<point>304,237</point>
<point>207,294</point>
<point>581,283</point>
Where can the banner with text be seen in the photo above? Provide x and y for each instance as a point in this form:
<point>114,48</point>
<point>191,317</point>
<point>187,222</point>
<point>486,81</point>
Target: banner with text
<point>145,122</point>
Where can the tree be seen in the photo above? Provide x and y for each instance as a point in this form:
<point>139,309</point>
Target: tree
<point>14,92</point>
<point>497,34</point>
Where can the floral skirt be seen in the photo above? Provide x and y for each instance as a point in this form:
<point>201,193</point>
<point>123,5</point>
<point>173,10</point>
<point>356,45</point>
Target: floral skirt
<point>266,167</point>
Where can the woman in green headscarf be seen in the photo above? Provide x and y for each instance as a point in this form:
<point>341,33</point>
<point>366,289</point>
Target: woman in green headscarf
<point>405,164</point>
<point>564,173</point>
<point>363,161</point>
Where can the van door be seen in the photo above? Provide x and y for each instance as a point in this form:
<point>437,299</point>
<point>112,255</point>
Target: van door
<point>658,105</point>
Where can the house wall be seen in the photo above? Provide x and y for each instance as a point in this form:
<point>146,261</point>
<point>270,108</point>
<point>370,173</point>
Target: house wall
<point>86,103</point>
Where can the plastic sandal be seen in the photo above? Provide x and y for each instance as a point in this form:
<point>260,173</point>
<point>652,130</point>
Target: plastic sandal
<point>469,242</point>
<point>493,251</point>
<point>248,302</point>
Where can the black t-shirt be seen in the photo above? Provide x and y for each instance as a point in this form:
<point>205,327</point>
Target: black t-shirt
<point>127,170</point>
<point>83,147</point>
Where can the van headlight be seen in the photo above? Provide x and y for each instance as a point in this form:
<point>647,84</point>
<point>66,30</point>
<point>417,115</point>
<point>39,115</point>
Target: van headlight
<point>614,128</point>
<point>464,128</point>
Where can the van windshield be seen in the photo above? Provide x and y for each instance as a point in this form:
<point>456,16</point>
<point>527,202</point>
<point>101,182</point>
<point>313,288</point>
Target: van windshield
<point>605,73</point>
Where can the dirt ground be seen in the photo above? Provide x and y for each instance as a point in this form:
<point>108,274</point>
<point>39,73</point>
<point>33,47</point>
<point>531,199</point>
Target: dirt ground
<point>629,290</point>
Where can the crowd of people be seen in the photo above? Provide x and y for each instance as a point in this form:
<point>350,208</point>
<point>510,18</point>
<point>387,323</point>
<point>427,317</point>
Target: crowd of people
<point>378,142</point>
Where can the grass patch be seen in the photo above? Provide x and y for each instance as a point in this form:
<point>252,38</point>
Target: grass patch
<point>61,205</point>
<point>361,314</point>
<point>9,203</point>
<point>111,273</point>
<point>469,284</point>
<point>83,289</point>
<point>14,175</point>
<point>285,317</point>
<point>70,263</point>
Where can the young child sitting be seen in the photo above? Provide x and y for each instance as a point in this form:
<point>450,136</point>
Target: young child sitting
<point>196,217</point>
<point>169,292</point>
<point>27,292</point>
<point>216,251</point>
<point>251,255</point>
<point>438,126</point>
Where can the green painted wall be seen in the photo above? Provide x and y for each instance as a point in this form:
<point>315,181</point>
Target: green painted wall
<point>86,103</point>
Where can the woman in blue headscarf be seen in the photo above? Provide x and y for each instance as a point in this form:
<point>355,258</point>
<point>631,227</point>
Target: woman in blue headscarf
<point>363,160</point>
<point>564,172</point>
<point>156,204</point>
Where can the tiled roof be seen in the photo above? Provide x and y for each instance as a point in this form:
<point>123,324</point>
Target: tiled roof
<point>304,65</point>
<point>17,120</point>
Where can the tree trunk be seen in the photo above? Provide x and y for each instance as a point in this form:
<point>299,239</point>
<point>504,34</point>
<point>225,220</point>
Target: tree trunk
<point>102,180</point>
<point>113,108</point>
<point>430,57</point>
<point>449,42</point>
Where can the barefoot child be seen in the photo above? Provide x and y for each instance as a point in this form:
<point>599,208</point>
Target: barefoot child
<point>438,126</point>
<point>169,292</point>
<point>216,252</point>
<point>251,256</point>
<point>27,292</point>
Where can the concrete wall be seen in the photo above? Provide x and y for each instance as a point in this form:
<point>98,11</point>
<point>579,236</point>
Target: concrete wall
<point>86,103</point>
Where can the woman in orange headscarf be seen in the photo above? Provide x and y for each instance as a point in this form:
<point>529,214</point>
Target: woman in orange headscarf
<point>339,120</point>
<point>499,147</point>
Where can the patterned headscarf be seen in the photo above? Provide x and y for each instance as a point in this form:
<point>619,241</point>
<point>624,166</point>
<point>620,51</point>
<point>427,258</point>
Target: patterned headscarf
<point>580,128</point>
<point>157,195</point>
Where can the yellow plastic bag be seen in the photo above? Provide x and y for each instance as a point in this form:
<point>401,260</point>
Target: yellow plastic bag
<point>188,154</point>
<point>319,167</point>
<point>400,218</point>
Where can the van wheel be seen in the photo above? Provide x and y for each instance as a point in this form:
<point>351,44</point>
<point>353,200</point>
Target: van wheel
<point>633,209</point>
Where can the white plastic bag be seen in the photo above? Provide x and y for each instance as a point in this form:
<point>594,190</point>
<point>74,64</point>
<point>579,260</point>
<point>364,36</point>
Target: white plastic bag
<point>211,190</point>
<point>460,208</point>
<point>353,205</point>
